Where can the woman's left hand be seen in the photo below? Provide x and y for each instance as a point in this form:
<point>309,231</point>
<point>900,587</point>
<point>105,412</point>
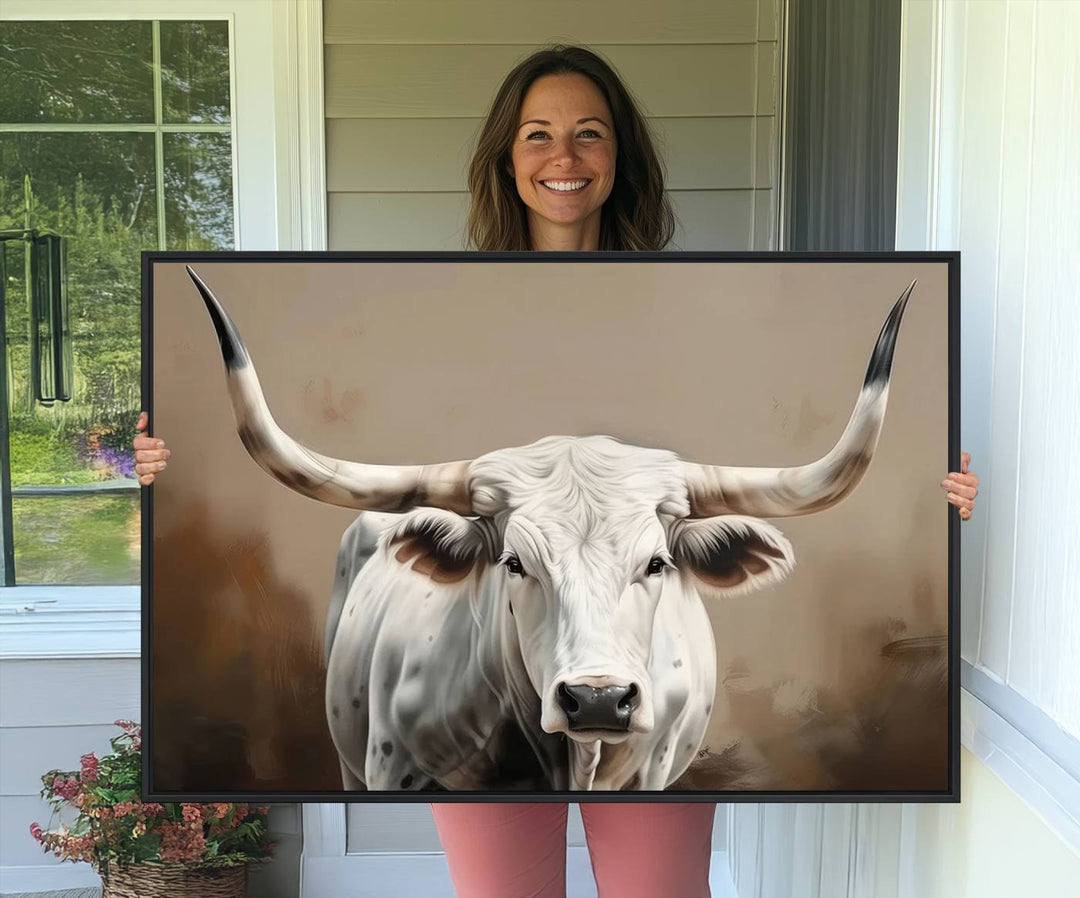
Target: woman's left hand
<point>962,487</point>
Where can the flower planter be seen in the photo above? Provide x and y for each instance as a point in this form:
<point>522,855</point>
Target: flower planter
<point>153,880</point>
<point>148,849</point>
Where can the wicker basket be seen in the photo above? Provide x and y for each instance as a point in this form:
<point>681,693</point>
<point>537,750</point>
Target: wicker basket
<point>147,880</point>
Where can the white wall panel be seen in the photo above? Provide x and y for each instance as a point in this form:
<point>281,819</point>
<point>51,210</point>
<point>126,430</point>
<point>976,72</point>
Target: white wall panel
<point>979,174</point>
<point>66,693</point>
<point>432,154</point>
<point>520,22</point>
<point>1004,186</point>
<point>460,79</point>
<point>1046,612</point>
<point>389,827</point>
<point>1012,222</point>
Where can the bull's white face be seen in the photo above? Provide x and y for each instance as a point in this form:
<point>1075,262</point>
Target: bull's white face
<point>583,592</point>
<point>587,535</point>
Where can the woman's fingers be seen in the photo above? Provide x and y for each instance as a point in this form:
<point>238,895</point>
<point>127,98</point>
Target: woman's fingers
<point>962,484</point>
<point>962,487</point>
<point>150,453</point>
<point>961,501</point>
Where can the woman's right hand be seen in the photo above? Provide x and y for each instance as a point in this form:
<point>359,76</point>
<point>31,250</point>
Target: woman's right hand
<point>150,453</point>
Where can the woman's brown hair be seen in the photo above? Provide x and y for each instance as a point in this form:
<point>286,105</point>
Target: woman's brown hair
<point>637,214</point>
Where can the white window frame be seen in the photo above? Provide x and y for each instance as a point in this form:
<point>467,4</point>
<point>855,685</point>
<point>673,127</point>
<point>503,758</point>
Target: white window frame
<point>1034,756</point>
<point>279,198</point>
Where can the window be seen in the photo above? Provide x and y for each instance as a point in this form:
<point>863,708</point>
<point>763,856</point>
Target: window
<point>117,136</point>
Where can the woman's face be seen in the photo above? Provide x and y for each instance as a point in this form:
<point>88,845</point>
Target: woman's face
<point>563,156</point>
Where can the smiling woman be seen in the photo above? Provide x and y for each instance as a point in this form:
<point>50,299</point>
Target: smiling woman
<point>560,118</point>
<point>563,160</point>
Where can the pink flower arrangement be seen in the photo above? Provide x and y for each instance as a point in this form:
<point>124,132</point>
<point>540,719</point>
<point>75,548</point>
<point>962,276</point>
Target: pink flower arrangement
<point>114,826</point>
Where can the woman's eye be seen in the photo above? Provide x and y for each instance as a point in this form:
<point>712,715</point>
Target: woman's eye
<point>589,132</point>
<point>513,565</point>
<point>656,566</point>
<point>533,134</point>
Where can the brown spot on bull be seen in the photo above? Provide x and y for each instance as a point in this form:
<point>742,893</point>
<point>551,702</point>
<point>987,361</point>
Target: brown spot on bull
<point>730,565</point>
<point>387,748</point>
<point>429,559</point>
<point>356,703</point>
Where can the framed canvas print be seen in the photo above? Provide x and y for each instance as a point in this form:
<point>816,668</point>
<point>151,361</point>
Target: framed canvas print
<point>467,526</point>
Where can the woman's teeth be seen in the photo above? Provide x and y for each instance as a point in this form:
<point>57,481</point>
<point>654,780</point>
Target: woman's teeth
<point>564,186</point>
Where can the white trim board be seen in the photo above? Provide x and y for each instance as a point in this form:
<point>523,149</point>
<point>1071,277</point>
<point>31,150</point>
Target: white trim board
<point>1023,766</point>
<point>38,622</point>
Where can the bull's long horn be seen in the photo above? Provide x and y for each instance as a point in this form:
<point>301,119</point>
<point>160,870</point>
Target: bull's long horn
<point>347,483</point>
<point>784,492</point>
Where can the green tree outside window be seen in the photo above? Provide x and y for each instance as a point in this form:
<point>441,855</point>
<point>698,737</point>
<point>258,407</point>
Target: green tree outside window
<point>118,136</point>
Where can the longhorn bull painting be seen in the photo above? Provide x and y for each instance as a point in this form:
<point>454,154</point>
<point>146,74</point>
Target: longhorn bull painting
<point>544,617</point>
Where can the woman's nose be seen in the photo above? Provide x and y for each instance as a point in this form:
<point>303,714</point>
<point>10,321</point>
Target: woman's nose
<point>564,149</point>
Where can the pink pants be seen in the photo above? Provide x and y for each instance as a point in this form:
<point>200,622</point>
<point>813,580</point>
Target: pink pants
<point>519,850</point>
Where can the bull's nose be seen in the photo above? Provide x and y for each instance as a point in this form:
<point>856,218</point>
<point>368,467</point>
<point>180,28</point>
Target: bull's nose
<point>597,707</point>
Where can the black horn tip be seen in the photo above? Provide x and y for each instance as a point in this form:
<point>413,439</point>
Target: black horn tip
<point>877,373</point>
<point>232,347</point>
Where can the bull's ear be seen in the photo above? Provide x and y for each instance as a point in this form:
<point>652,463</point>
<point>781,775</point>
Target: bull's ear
<point>437,544</point>
<point>731,554</point>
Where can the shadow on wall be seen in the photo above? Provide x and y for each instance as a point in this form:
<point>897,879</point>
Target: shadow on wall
<point>891,733</point>
<point>238,670</point>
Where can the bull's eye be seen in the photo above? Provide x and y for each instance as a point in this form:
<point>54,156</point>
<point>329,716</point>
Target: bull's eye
<point>513,565</point>
<point>656,566</point>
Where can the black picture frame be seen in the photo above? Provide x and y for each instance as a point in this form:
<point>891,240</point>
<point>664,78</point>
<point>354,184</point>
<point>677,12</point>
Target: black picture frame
<point>152,790</point>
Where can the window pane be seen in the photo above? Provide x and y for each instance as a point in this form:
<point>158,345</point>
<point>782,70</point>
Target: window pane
<point>198,191</point>
<point>76,72</point>
<point>77,540</point>
<point>195,71</point>
<point>98,190</point>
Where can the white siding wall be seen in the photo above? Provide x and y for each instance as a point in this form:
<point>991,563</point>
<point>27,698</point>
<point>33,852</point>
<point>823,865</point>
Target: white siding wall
<point>989,150</point>
<point>52,712</point>
<point>407,85</point>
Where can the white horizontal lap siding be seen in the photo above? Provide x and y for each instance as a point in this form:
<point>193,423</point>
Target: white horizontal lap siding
<point>52,713</point>
<point>408,83</point>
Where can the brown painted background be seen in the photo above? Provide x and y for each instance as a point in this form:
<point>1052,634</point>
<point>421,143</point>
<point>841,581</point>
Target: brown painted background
<point>836,679</point>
